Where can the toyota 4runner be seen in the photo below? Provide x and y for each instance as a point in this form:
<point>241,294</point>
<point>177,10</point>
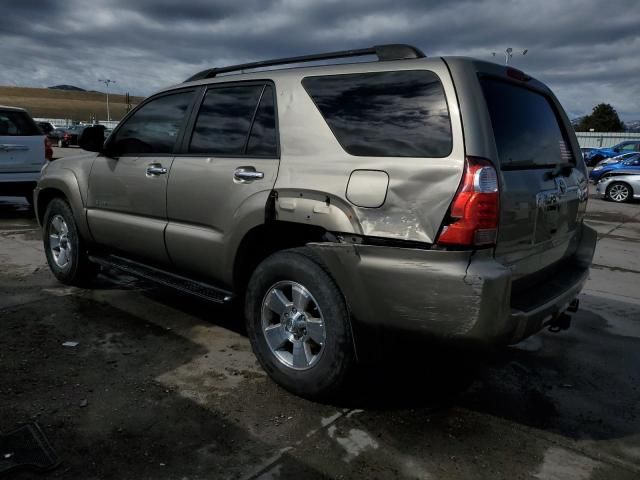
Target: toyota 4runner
<point>443,196</point>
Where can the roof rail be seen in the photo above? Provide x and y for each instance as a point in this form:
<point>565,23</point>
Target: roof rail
<point>383,52</point>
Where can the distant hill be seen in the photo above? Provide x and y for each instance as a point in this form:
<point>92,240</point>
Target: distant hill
<point>63,103</point>
<point>67,87</point>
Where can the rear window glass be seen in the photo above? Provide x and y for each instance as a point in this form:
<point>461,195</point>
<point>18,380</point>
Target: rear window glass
<point>224,120</point>
<point>525,126</point>
<point>388,114</point>
<point>19,124</point>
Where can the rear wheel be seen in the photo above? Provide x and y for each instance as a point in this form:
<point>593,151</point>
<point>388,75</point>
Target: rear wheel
<point>63,246</point>
<point>298,324</point>
<point>619,192</point>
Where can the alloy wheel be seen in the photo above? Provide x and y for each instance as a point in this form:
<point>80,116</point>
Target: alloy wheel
<point>59,242</point>
<point>293,325</point>
<point>618,193</point>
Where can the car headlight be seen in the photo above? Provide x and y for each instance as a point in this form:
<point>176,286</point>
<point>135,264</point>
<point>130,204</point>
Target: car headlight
<point>597,168</point>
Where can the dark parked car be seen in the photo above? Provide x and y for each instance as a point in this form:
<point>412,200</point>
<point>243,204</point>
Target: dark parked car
<point>586,150</point>
<point>46,128</point>
<point>597,154</point>
<point>66,136</point>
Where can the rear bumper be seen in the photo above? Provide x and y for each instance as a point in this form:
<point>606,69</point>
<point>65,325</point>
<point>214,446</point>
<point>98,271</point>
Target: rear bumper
<point>454,295</point>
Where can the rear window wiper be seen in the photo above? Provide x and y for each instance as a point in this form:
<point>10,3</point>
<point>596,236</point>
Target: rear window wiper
<point>563,169</point>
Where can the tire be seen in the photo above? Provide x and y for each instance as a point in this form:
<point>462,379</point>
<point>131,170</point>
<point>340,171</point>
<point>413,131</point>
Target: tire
<point>619,192</point>
<point>314,357</point>
<point>60,144</point>
<point>59,227</point>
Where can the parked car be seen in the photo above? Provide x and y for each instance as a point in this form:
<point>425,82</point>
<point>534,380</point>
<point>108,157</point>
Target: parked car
<point>617,159</point>
<point>23,150</point>
<point>46,127</point>
<point>630,164</point>
<point>586,150</point>
<point>67,136</point>
<point>620,187</point>
<point>597,154</point>
<point>333,197</point>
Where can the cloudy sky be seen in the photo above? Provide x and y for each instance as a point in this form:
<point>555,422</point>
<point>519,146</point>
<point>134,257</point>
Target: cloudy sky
<point>588,51</point>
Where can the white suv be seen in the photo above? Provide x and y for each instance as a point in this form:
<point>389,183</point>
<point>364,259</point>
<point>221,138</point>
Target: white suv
<point>23,150</point>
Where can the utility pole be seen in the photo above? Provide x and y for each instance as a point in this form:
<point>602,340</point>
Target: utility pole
<point>106,82</point>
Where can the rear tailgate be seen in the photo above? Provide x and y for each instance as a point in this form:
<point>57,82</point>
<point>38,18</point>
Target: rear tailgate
<point>21,143</point>
<point>543,187</point>
<point>517,123</point>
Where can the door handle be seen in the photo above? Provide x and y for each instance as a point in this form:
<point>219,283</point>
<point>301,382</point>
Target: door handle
<point>247,174</point>
<point>8,147</point>
<point>156,169</point>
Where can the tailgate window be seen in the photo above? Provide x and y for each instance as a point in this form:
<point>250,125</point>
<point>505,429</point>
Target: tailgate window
<point>385,114</point>
<point>17,124</point>
<point>525,125</point>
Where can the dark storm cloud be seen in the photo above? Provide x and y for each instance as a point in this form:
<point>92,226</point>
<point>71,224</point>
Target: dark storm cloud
<point>585,50</point>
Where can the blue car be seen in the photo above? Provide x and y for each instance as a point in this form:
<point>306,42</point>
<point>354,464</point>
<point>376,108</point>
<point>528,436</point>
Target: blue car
<point>594,156</point>
<point>628,165</point>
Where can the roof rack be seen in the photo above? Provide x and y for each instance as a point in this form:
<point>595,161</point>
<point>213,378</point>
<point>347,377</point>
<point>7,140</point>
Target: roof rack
<point>383,52</point>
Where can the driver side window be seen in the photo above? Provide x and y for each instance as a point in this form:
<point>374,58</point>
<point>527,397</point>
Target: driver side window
<point>154,127</point>
<point>629,147</point>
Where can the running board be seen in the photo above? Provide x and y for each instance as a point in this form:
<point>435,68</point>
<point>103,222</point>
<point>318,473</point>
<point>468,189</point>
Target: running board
<point>171,280</point>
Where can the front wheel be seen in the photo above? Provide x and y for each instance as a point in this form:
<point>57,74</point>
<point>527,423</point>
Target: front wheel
<point>619,192</point>
<point>298,324</point>
<point>63,246</point>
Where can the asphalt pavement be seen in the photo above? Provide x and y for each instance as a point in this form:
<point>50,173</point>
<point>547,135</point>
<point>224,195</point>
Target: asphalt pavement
<point>164,386</point>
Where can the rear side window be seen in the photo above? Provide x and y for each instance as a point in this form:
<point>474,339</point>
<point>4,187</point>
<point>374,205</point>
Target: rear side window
<point>525,126</point>
<point>263,132</point>
<point>387,114</point>
<point>154,127</point>
<point>19,124</point>
<point>236,120</point>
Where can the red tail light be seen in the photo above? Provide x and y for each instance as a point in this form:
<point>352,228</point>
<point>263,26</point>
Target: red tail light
<point>48,149</point>
<point>475,208</point>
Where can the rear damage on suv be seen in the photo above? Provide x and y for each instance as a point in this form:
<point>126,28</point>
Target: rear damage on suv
<point>512,252</point>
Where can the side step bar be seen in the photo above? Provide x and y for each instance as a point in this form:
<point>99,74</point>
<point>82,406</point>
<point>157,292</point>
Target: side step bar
<point>177,282</point>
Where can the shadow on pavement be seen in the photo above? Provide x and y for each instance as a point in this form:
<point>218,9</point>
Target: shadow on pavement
<point>15,207</point>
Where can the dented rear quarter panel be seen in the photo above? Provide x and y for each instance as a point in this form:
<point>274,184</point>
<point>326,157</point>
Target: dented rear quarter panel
<point>315,167</point>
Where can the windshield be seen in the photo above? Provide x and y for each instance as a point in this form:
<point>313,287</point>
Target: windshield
<point>525,126</point>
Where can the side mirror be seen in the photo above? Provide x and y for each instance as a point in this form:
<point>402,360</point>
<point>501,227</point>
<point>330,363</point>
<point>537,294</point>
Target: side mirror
<point>92,139</point>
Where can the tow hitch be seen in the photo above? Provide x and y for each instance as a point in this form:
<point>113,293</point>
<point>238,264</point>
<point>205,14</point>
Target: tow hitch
<point>563,321</point>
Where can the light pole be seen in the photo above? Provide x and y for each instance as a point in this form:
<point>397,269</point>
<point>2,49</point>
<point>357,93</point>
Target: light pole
<point>107,81</point>
<point>508,54</point>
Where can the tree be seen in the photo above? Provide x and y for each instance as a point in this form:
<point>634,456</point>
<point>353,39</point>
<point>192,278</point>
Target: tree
<point>603,118</point>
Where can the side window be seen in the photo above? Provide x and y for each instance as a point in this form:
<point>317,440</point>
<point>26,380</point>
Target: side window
<point>629,147</point>
<point>263,133</point>
<point>224,120</point>
<point>388,114</point>
<point>154,127</point>
<point>16,123</point>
